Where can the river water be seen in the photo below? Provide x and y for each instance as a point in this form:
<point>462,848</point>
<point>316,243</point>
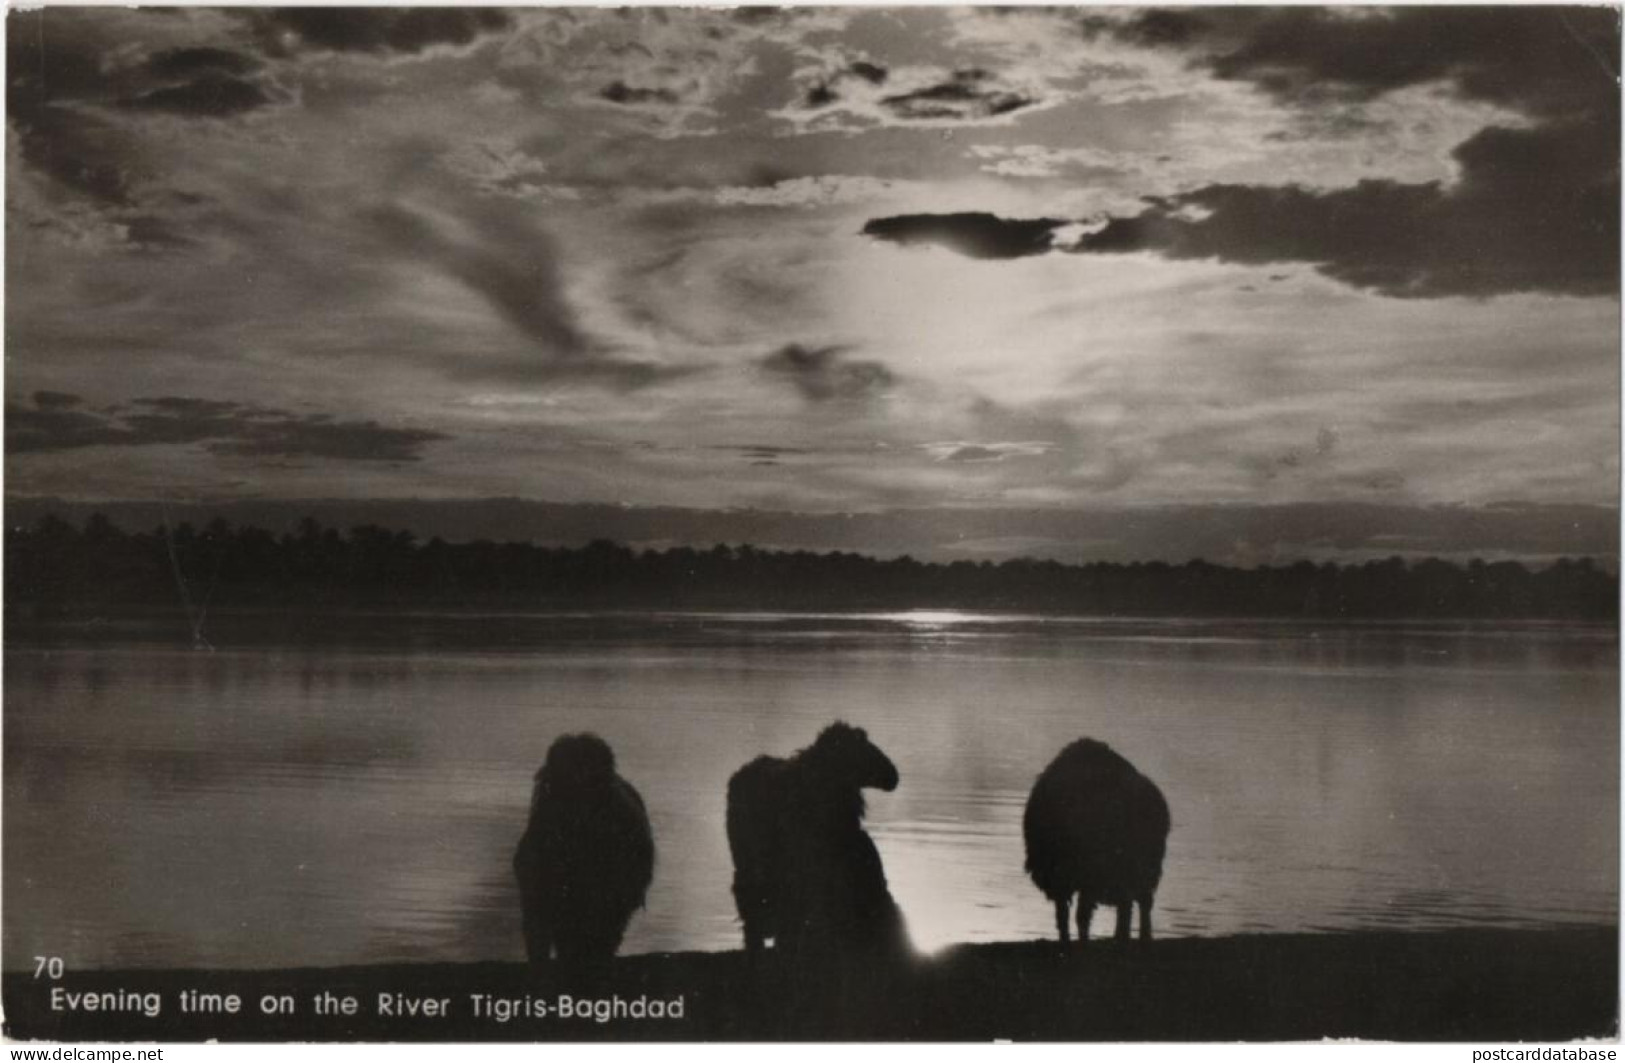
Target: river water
<point>355,796</point>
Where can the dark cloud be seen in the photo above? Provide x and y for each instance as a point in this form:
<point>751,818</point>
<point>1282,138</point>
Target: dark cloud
<point>621,92</point>
<point>870,72</point>
<point>209,96</point>
<point>203,83</point>
<point>181,64</point>
<point>1533,210</point>
<point>186,406</point>
<point>969,94</point>
<point>976,235</point>
<point>42,428</point>
<point>78,152</point>
<point>375,30</point>
<point>1545,60</point>
<point>820,95</point>
<point>1157,27</point>
<point>63,59</point>
<point>56,400</point>
<point>227,428</point>
<point>62,74</point>
<point>826,92</point>
<point>73,85</point>
<point>316,437</point>
<point>822,374</point>
<point>52,56</point>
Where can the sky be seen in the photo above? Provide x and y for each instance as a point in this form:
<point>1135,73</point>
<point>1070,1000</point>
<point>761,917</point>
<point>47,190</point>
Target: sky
<point>817,260</point>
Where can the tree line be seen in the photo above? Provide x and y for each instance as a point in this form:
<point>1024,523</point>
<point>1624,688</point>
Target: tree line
<point>54,568</point>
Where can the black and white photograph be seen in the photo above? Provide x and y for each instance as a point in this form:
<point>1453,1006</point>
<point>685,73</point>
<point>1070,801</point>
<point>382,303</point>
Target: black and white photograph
<point>811,523</point>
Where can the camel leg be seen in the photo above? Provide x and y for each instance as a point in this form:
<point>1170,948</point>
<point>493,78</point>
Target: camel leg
<point>755,940</point>
<point>752,912</point>
<point>1145,918</point>
<point>538,927</point>
<point>1061,913</point>
<point>538,941</point>
<point>1086,915</point>
<point>1125,914</point>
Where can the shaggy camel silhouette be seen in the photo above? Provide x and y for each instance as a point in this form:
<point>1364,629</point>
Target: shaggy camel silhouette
<point>587,856</point>
<point>806,873</point>
<point>1096,827</point>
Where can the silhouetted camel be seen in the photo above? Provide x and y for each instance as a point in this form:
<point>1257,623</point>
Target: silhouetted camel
<point>1098,828</point>
<point>587,856</point>
<point>806,873</point>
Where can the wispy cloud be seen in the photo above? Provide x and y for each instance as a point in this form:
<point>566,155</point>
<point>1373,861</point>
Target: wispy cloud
<point>58,421</point>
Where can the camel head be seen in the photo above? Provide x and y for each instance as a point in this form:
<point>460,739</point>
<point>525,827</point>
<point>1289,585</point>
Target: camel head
<point>849,754</point>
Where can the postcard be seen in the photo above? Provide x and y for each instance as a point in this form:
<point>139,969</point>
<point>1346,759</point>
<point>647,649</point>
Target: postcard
<point>812,523</point>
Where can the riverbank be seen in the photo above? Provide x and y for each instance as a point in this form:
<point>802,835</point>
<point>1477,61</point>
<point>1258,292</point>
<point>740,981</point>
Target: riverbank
<point>1465,985</point>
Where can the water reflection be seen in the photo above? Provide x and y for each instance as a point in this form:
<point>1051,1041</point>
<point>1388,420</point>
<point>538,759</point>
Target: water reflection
<point>325,797</point>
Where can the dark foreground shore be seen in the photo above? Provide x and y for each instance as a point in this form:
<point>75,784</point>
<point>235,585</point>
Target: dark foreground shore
<point>1468,985</point>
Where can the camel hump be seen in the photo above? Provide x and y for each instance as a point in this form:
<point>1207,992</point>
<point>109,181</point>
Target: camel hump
<point>577,762</point>
<point>1090,770</point>
<point>1094,819</point>
<point>1090,758</point>
<point>752,774</point>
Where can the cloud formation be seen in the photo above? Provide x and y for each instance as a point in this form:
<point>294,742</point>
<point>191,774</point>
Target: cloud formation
<point>825,91</point>
<point>581,241</point>
<point>621,92</point>
<point>968,94</point>
<point>1534,207</point>
<point>1533,210</point>
<point>824,374</point>
<point>54,65</point>
<point>56,400</point>
<point>373,30</point>
<point>510,262</point>
<point>208,96</point>
<point>987,453</point>
<point>178,64</point>
<point>973,234</point>
<point>204,82</point>
<point>1545,60</point>
<point>839,88</point>
<point>58,421</point>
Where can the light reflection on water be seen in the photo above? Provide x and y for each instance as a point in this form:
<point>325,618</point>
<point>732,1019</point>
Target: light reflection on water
<point>339,799</point>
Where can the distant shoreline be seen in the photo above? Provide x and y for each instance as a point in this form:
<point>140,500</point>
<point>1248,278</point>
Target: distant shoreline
<point>1453,985</point>
<point>56,571</point>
